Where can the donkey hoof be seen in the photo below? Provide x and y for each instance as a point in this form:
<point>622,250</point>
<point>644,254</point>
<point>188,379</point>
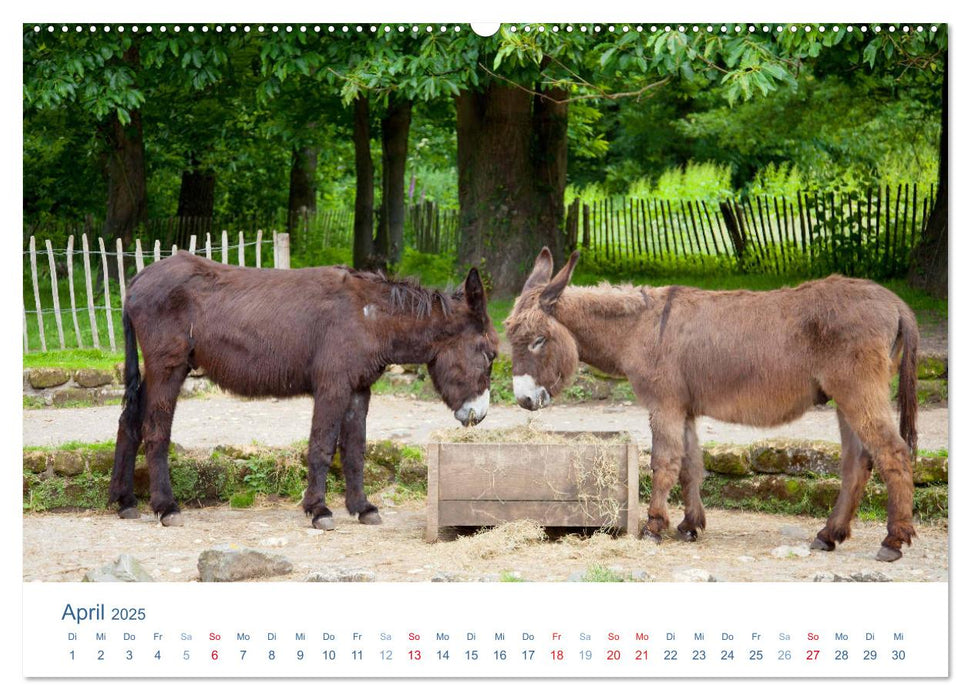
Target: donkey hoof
<point>173,519</point>
<point>822,545</point>
<point>650,536</point>
<point>370,518</point>
<point>888,554</point>
<point>688,535</point>
<point>130,513</point>
<point>324,522</point>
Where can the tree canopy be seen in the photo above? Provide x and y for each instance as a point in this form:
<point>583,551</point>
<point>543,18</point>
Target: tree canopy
<point>162,120</point>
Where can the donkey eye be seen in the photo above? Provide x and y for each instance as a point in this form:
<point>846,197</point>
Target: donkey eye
<point>537,343</point>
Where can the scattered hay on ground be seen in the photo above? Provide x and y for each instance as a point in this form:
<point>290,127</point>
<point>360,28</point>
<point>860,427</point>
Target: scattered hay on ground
<point>498,541</point>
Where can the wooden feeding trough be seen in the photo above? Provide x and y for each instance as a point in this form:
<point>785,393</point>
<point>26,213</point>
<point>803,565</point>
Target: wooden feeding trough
<point>554,479</point>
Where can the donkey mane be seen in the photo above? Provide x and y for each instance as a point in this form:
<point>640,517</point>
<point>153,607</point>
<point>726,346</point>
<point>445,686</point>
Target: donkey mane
<point>408,296</point>
<point>606,300</point>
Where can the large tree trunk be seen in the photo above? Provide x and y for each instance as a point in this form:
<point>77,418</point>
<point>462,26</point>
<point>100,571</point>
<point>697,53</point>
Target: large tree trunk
<point>394,152</point>
<point>303,189</point>
<point>196,201</point>
<point>364,193</point>
<point>124,167</point>
<point>928,264</point>
<point>512,170</point>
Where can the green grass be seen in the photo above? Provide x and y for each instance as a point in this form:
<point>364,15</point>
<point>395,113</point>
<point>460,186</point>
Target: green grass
<point>75,359</point>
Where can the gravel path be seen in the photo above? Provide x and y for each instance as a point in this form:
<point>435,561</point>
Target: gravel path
<point>220,419</point>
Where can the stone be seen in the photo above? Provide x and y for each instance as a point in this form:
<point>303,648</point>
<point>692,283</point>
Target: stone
<point>101,461</point>
<point>863,577</point>
<point>930,469</point>
<point>125,569</point>
<point>35,461</point>
<point>68,463</point>
<point>47,377</point>
<point>91,378</point>
<point>932,367</point>
<point>341,576</point>
<point>73,394</point>
<point>229,562</point>
<point>730,460</point>
<point>795,457</point>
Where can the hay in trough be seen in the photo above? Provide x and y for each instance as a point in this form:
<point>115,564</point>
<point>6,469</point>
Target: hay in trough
<point>528,433</point>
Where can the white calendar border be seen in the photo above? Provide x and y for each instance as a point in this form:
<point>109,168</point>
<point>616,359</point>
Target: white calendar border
<point>505,10</point>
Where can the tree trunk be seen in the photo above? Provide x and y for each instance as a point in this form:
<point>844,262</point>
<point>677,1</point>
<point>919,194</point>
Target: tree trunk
<point>512,172</point>
<point>928,264</point>
<point>196,199</point>
<point>394,153</point>
<point>303,190</point>
<point>364,193</point>
<point>124,167</point>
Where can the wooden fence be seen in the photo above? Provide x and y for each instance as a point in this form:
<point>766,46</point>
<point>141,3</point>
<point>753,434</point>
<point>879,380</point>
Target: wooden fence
<point>814,233</point>
<point>96,313</point>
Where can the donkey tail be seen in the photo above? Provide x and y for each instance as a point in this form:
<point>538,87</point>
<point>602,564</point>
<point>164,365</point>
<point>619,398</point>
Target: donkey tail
<point>131,414</point>
<point>908,339</point>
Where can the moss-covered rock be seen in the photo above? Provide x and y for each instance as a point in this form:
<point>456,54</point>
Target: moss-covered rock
<point>48,377</point>
<point>821,494</point>
<point>730,460</point>
<point>91,378</point>
<point>795,457</point>
<point>931,391</point>
<point>73,394</point>
<point>100,461</point>
<point>35,461</point>
<point>932,367</point>
<point>67,463</point>
<point>930,470</point>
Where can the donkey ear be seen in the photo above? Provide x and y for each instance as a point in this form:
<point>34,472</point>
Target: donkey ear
<point>556,286</point>
<point>542,270</point>
<point>475,294</point>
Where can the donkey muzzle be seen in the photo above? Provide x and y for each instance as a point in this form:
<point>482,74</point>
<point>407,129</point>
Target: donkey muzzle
<point>474,410</point>
<point>529,394</point>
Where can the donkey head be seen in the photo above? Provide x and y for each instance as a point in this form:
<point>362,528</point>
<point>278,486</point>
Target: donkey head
<point>462,365</point>
<point>544,352</point>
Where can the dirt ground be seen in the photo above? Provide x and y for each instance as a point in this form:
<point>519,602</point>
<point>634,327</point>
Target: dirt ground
<point>738,546</point>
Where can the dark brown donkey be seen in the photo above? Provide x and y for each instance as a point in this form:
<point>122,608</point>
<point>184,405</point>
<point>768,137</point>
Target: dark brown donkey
<point>757,358</point>
<point>327,331</point>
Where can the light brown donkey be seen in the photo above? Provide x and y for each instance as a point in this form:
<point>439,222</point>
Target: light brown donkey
<point>757,358</point>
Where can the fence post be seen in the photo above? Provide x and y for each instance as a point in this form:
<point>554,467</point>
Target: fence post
<point>225,259</point>
<point>242,251</point>
<point>33,276</point>
<point>70,286</point>
<point>86,254</point>
<point>104,266</point>
<point>121,270</point>
<point>56,293</point>
<point>259,248</point>
<point>139,256</point>
<point>281,251</point>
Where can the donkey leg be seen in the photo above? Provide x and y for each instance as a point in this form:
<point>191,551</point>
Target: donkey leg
<point>351,444</point>
<point>324,431</point>
<point>872,421</point>
<point>855,468</point>
<point>667,449</point>
<point>162,386</point>
<point>122,487</point>
<point>690,477</point>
